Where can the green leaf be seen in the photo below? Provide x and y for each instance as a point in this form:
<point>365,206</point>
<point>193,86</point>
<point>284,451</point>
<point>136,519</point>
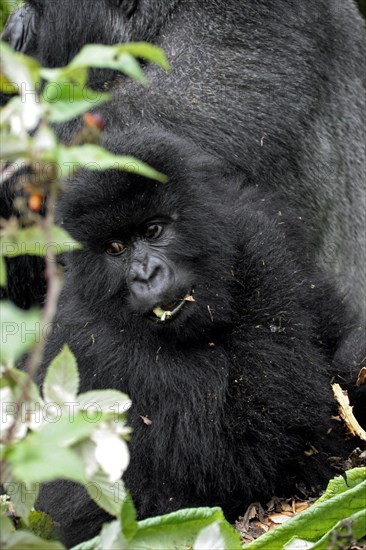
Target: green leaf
<point>3,274</point>
<point>15,379</point>
<point>42,525</point>
<point>97,56</point>
<point>180,529</point>
<point>6,7</point>
<point>107,495</point>
<point>15,140</point>
<point>94,157</point>
<point>42,456</point>
<point>119,57</point>
<point>209,538</point>
<point>90,544</point>
<point>75,75</point>
<point>7,526</point>
<point>128,518</point>
<point>23,495</point>
<point>13,148</point>
<point>24,540</point>
<point>17,387</point>
<point>43,145</point>
<point>127,64</point>
<point>113,57</point>
<point>19,331</point>
<point>109,401</point>
<point>61,383</point>
<point>65,427</point>
<point>112,538</point>
<point>21,70</point>
<point>67,100</point>
<point>109,57</point>
<point>6,86</point>
<point>298,544</point>
<point>340,484</point>
<point>33,241</point>
<point>314,522</point>
<point>33,461</point>
<point>23,73</point>
<point>147,51</point>
<point>355,524</point>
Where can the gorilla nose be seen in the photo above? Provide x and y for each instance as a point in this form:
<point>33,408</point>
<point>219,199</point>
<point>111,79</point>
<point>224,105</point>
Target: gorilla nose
<point>149,279</point>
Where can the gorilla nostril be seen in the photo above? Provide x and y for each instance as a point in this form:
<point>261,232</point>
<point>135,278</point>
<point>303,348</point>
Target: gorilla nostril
<point>155,274</point>
<point>146,272</point>
<point>150,278</point>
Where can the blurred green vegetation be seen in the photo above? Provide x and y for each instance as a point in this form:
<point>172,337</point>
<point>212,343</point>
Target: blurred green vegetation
<point>362,5</point>
<point>6,7</point>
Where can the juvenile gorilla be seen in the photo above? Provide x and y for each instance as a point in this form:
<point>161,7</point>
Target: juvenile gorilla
<point>237,382</point>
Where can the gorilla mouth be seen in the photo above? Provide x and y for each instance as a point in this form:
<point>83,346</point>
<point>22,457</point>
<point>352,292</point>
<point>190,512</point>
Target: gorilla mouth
<point>167,312</point>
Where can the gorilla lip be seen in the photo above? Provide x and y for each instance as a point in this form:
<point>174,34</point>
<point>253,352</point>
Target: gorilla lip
<point>167,312</point>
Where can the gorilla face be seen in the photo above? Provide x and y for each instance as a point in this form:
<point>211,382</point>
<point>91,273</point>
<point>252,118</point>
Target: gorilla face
<point>155,284</point>
<point>151,251</point>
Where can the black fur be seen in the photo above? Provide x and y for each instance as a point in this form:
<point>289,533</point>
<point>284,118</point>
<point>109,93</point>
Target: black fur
<point>236,386</point>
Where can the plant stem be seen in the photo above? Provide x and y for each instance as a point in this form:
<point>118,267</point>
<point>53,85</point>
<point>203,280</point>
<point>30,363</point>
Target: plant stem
<point>54,286</point>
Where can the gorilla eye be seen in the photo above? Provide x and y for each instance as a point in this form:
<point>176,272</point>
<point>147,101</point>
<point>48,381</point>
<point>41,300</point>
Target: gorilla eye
<point>114,248</point>
<point>153,231</point>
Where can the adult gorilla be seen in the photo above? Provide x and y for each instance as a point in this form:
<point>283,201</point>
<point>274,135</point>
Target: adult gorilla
<point>276,90</point>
